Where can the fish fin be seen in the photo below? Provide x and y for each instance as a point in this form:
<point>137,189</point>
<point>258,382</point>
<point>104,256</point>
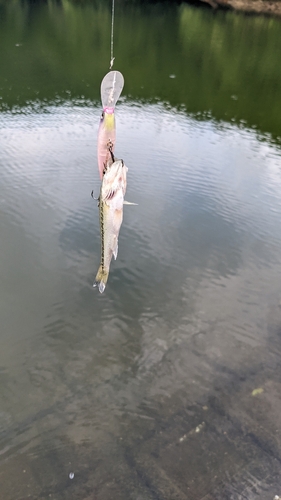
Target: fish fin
<point>101,279</point>
<point>115,251</point>
<point>129,203</point>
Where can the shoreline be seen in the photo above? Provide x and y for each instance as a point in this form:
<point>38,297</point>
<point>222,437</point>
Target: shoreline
<point>266,7</point>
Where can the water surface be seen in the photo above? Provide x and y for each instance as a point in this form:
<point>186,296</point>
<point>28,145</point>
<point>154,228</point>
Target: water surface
<point>146,391</point>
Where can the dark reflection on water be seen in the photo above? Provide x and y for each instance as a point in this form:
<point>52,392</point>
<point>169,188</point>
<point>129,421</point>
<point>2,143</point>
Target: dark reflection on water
<point>146,391</point>
<point>230,71</point>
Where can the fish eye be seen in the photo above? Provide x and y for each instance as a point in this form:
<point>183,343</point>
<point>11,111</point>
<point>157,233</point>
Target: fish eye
<point>102,115</point>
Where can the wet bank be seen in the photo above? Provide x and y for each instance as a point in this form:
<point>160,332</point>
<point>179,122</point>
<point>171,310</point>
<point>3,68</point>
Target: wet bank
<point>266,7</point>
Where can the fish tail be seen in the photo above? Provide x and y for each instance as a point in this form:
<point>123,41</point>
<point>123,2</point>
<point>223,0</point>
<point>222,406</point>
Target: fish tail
<point>101,278</point>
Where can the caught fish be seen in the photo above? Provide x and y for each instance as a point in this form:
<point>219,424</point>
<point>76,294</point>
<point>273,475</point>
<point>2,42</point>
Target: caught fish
<point>111,201</point>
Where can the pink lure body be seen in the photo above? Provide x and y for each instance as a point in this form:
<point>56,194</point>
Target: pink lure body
<point>106,138</point>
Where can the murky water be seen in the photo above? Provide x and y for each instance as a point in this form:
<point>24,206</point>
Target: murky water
<point>146,391</point>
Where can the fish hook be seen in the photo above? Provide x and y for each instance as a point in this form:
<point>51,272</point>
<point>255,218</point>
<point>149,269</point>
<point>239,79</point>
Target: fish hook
<point>92,195</point>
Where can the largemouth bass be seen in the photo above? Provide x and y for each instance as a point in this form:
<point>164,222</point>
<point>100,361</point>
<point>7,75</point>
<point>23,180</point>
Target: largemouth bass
<point>111,201</point>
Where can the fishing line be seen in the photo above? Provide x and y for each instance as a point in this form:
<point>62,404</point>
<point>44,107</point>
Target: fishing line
<point>111,43</point>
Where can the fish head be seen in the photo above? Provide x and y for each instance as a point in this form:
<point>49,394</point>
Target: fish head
<point>114,180</point>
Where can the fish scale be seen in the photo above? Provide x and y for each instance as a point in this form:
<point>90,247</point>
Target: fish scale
<point>111,201</point>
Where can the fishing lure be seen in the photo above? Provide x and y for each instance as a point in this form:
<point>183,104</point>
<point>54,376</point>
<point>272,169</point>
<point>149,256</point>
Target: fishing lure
<point>111,88</point>
<point>112,172</point>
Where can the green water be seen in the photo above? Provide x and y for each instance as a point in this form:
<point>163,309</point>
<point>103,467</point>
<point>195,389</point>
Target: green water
<point>167,386</point>
<point>227,65</point>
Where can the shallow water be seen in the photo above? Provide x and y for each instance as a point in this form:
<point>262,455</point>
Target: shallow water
<point>146,391</point>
